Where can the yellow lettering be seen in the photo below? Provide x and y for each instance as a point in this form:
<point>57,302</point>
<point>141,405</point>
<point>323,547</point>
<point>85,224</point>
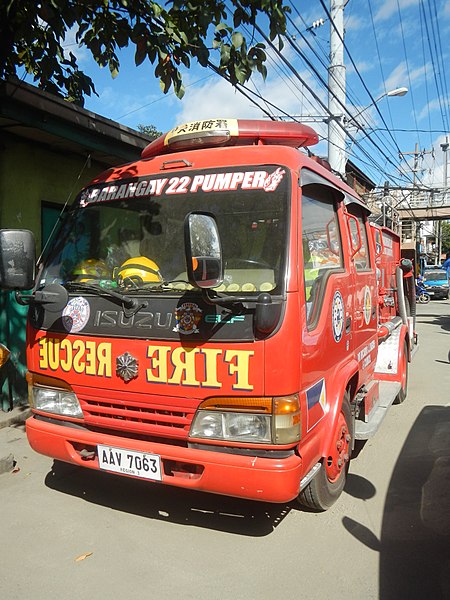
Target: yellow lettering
<point>53,353</point>
<point>104,359</point>
<point>211,356</point>
<point>158,364</point>
<point>78,364</point>
<point>90,358</point>
<point>43,356</point>
<point>183,360</point>
<point>66,363</point>
<point>240,367</point>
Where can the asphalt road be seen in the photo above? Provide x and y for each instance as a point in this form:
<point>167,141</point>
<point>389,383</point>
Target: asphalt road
<point>70,533</point>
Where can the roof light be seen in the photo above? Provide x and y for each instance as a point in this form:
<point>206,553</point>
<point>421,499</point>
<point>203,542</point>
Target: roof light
<point>231,132</point>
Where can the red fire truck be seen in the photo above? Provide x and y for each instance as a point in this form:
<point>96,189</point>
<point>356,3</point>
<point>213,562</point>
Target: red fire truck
<point>218,315</point>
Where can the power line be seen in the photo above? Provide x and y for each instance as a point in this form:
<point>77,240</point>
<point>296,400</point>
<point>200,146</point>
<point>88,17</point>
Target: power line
<point>407,65</point>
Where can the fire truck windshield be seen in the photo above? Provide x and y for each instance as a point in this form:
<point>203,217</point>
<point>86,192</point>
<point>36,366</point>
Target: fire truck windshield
<point>129,234</point>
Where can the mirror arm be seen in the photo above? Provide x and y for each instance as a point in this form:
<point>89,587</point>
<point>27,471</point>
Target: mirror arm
<point>22,299</point>
<point>211,297</point>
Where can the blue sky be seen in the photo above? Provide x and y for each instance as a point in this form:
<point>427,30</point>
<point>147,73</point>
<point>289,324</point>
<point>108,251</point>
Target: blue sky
<point>392,43</point>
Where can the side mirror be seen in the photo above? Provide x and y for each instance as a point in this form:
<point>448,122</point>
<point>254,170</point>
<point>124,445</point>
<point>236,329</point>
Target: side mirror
<point>203,250</point>
<point>17,259</point>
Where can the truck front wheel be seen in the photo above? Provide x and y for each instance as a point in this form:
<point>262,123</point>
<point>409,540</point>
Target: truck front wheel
<point>326,487</point>
<point>403,369</point>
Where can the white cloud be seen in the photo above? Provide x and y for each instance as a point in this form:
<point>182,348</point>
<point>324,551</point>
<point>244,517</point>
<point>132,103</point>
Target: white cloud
<point>389,7</point>
<point>354,23</point>
<point>69,44</point>
<point>433,105</point>
<point>400,76</point>
<point>217,98</point>
<point>361,66</point>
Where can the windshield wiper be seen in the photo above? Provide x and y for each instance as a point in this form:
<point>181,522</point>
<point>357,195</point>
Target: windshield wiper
<point>130,305</point>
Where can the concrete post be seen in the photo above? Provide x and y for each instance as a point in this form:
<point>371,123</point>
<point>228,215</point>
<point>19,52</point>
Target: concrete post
<point>336,89</point>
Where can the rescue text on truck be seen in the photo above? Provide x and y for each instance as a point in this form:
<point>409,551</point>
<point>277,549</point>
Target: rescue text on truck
<point>219,315</point>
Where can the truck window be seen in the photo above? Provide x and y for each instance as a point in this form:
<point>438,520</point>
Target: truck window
<point>322,246</point>
<point>362,258</point>
<point>99,235</point>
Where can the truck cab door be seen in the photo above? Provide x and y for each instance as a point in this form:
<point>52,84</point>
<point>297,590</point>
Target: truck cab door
<point>363,274</point>
<point>327,299</point>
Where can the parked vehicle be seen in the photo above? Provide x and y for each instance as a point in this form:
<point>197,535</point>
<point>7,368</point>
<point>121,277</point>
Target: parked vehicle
<point>422,296</point>
<point>219,315</point>
<point>435,282</point>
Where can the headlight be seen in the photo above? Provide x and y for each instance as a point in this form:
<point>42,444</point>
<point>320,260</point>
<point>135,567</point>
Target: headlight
<point>232,427</point>
<point>56,401</point>
<point>257,420</point>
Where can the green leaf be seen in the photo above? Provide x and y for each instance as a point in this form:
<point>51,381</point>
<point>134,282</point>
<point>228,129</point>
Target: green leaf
<point>225,52</point>
<point>169,33</point>
<point>141,52</point>
<point>240,73</point>
<point>237,39</point>
<point>222,27</point>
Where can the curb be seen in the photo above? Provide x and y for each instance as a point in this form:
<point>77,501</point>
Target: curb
<point>15,417</point>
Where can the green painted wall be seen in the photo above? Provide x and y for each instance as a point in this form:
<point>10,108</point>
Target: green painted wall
<point>29,174</point>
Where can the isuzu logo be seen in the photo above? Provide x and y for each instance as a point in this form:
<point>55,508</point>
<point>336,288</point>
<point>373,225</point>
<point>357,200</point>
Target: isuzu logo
<point>141,320</point>
<point>127,366</point>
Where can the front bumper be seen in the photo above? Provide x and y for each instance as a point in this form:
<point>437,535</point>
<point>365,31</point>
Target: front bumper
<point>256,478</point>
<point>437,292</point>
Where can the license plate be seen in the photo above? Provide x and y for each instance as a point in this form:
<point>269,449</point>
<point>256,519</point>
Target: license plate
<point>431,293</point>
<point>129,462</point>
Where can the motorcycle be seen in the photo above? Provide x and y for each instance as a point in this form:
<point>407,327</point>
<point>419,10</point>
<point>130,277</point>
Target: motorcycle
<point>422,296</point>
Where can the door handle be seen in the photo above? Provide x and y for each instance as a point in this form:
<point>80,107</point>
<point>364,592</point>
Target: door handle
<point>348,324</point>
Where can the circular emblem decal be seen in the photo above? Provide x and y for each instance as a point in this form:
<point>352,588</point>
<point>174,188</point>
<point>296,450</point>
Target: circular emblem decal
<point>367,305</point>
<point>187,317</point>
<point>76,314</point>
<point>337,316</point>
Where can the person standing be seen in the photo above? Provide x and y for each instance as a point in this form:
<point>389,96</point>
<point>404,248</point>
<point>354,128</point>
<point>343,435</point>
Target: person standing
<point>446,264</point>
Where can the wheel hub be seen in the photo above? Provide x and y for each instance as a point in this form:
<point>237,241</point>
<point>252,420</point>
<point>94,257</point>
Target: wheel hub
<point>339,455</point>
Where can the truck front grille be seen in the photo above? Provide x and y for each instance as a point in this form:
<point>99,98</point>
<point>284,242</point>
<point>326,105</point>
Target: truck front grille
<point>143,418</point>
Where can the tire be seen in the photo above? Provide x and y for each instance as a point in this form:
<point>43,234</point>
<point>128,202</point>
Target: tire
<point>401,396</point>
<point>326,487</point>
<point>424,298</point>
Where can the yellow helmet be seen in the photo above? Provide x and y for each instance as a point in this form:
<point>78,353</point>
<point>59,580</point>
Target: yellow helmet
<point>91,268</point>
<point>139,269</point>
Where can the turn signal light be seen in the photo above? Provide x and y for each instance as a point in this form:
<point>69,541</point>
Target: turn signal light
<point>4,355</point>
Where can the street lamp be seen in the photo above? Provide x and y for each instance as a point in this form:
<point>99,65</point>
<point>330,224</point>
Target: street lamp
<point>401,91</point>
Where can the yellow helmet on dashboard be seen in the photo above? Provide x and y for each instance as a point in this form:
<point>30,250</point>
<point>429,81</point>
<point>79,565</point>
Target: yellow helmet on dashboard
<point>90,269</point>
<point>139,269</point>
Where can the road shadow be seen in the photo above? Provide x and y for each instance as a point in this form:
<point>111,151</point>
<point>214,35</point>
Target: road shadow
<point>165,503</point>
<point>415,536</point>
<point>442,321</point>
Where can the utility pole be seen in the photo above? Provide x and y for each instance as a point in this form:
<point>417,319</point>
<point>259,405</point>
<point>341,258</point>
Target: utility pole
<point>418,243</point>
<point>336,89</point>
<point>444,147</point>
